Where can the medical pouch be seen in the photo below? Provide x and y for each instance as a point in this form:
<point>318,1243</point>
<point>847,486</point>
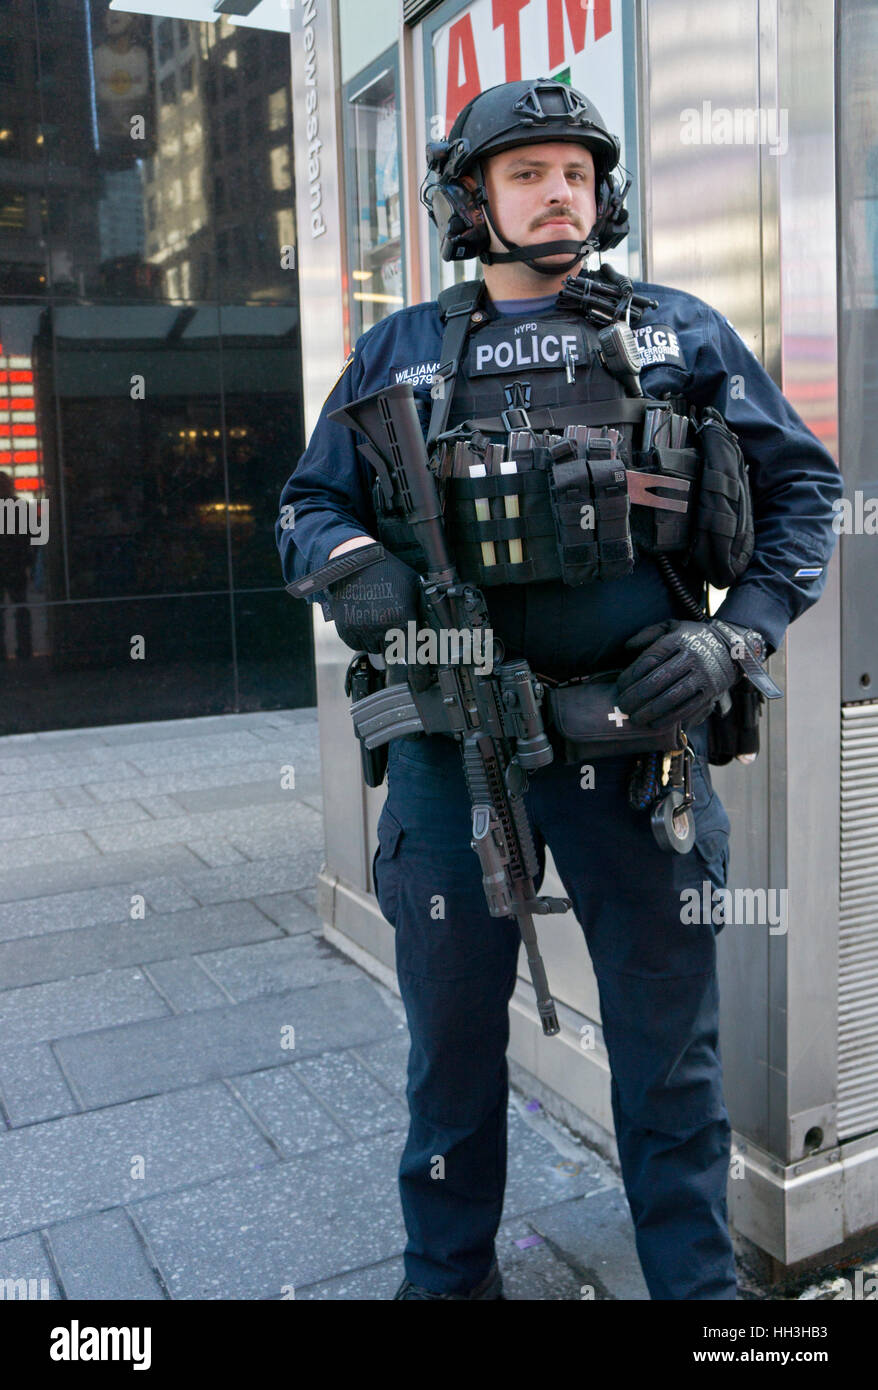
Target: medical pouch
<point>583,721</point>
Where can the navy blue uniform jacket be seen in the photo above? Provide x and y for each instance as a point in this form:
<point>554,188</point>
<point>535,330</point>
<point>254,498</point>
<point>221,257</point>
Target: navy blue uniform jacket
<point>562,630</point>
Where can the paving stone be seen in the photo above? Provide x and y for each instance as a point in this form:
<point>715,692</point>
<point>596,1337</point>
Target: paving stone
<point>352,1094</point>
<point>157,806</point>
<point>375,1282</point>
<point>25,1258</point>
<point>17,764</point>
<point>20,854</point>
<point>595,1234</point>
<point>216,853</point>
<point>179,782</point>
<point>29,802</point>
<point>73,796</point>
<point>38,880</point>
<point>389,1059</point>
<point>290,820</point>
<point>60,1007</point>
<point>290,871</point>
<point>160,730</point>
<point>185,985</point>
<point>309,841</point>
<point>165,894</point>
<point>264,792</point>
<point>18,825</point>
<point>214,750</point>
<point>299,1222</point>
<point>61,772</point>
<point>535,1272</point>
<point>289,912</point>
<point>102,1257</point>
<point>296,1121</point>
<point>146,1058</point>
<point>538,1175</point>
<point>65,954</point>
<point>269,967</point>
<point>80,1164</point>
<point>88,908</point>
<point>32,1085</point>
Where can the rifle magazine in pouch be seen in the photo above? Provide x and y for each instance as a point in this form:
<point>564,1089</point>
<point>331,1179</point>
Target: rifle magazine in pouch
<point>590,507</point>
<point>361,679</point>
<point>583,721</point>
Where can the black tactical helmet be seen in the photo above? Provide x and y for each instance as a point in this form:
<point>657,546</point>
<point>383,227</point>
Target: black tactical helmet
<point>502,118</point>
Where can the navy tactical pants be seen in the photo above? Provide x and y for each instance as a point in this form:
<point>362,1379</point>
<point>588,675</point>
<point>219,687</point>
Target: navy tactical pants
<point>658,999</point>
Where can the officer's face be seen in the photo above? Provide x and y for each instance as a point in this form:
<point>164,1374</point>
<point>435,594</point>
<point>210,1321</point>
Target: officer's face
<point>542,193</point>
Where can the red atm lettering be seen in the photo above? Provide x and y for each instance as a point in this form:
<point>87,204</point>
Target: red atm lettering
<point>505,13</point>
<point>461,49</point>
<point>577,15</point>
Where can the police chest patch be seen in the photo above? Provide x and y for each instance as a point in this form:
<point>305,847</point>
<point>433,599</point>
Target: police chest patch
<point>538,346</point>
<point>658,343</point>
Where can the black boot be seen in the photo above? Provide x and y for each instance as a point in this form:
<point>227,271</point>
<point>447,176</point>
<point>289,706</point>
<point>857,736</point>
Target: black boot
<point>490,1287</point>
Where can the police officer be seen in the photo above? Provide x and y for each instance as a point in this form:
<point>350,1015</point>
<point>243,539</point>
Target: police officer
<point>526,182</point>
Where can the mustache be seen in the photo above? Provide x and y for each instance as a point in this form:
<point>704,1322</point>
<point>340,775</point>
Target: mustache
<point>565,214</point>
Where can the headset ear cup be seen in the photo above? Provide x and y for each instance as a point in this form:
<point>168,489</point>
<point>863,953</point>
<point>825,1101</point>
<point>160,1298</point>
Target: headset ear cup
<point>464,233</point>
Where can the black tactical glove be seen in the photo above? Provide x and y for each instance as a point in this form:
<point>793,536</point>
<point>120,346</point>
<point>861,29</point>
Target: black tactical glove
<point>383,595</point>
<point>683,669</point>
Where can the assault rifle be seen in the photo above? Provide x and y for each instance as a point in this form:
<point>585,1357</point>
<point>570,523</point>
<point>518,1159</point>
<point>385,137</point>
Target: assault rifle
<point>494,714</point>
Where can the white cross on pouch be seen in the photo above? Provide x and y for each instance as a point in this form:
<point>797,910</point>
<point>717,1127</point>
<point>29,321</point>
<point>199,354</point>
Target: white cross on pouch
<point>617,716</point>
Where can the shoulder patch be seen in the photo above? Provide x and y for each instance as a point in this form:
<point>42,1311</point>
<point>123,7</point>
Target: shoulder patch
<point>347,362</point>
<point>659,343</point>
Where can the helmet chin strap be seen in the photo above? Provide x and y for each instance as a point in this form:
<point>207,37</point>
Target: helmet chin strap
<point>530,254</point>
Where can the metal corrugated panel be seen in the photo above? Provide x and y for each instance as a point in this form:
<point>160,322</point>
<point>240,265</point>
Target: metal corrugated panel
<point>858,937</point>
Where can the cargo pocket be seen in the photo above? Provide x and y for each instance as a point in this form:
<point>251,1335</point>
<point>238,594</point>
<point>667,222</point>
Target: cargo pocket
<point>385,864</point>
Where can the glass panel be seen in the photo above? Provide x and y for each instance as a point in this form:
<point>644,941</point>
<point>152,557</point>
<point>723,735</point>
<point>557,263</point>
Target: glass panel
<point>858,341</point>
<point>157,135</point>
<point>376,286</point>
<point>23,259</point>
<point>82,671</point>
<point>138,391</point>
<point>261,363</point>
<point>275,650</point>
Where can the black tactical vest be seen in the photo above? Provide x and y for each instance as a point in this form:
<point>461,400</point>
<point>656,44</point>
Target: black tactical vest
<point>537,453</point>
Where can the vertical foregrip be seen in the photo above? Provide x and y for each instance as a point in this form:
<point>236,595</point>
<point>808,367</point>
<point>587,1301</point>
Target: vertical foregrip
<point>485,784</point>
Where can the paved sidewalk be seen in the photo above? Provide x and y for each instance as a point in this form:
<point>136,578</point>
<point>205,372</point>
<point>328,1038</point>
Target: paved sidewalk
<point>199,1096</point>
<point>160,1137</point>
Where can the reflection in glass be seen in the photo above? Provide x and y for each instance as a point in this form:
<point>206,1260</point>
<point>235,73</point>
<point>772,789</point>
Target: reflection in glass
<point>150,405</point>
<point>138,120</point>
<point>375,214</point>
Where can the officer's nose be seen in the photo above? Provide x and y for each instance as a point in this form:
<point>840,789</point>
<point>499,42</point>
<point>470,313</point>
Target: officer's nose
<point>557,189</point>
